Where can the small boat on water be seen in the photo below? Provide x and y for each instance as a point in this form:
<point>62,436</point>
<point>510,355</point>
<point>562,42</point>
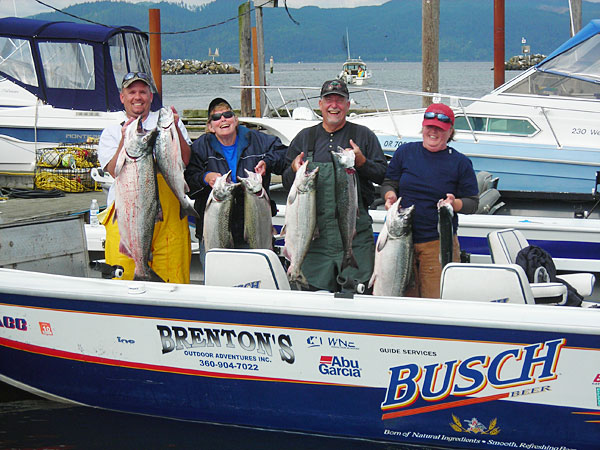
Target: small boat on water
<point>59,84</point>
<point>537,133</point>
<point>354,71</point>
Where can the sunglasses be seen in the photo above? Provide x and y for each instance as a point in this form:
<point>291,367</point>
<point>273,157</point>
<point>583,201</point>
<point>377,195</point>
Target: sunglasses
<point>439,116</point>
<point>217,116</point>
<point>131,75</point>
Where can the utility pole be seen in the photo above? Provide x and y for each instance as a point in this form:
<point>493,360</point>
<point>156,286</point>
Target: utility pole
<point>244,22</point>
<point>498,43</point>
<point>575,13</point>
<point>430,32</point>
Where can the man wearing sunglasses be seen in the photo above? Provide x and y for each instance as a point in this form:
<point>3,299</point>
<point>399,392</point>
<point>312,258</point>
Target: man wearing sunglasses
<point>421,174</point>
<point>229,146</point>
<point>171,243</point>
<point>322,266</point>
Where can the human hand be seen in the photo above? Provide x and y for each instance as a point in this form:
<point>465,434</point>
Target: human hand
<point>125,125</point>
<point>297,162</point>
<point>451,200</point>
<point>211,177</point>
<point>359,158</point>
<point>261,168</point>
<point>390,198</point>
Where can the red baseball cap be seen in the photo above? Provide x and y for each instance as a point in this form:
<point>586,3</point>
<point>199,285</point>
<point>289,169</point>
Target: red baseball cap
<point>439,115</point>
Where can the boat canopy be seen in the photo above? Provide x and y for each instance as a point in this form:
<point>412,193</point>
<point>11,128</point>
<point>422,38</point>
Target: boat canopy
<point>72,65</point>
<point>572,70</point>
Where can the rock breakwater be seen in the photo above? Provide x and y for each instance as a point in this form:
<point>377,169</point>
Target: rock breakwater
<point>522,62</point>
<point>191,66</point>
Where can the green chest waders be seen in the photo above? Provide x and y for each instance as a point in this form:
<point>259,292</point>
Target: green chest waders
<point>323,262</point>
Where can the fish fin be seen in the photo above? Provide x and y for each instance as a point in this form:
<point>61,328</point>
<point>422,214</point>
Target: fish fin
<point>349,261</point>
<point>282,232</point>
<point>291,198</point>
<point>152,276</point>
<point>159,214</point>
<point>124,250</point>
<point>382,239</point>
<point>316,234</point>
<point>372,281</point>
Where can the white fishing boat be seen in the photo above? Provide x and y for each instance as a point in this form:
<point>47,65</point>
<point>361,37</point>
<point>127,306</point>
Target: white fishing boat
<point>484,365</point>
<point>59,84</point>
<point>354,71</point>
<point>537,133</point>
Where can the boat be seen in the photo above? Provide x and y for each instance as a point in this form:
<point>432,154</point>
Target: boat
<point>354,71</point>
<point>451,373</point>
<point>59,84</point>
<point>537,132</point>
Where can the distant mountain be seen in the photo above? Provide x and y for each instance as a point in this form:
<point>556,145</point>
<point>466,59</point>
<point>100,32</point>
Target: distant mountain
<point>391,30</point>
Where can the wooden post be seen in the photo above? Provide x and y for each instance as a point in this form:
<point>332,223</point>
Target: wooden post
<point>575,10</point>
<point>245,62</point>
<point>258,110</point>
<point>430,32</point>
<point>260,42</point>
<point>155,48</point>
<point>498,43</point>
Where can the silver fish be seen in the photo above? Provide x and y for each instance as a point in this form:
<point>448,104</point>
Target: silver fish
<point>300,221</point>
<point>217,215</point>
<point>394,253</point>
<point>167,152</point>
<point>258,224</point>
<point>137,204</point>
<point>346,195</point>
<point>445,215</point>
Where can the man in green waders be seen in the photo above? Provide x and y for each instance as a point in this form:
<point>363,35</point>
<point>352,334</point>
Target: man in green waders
<point>322,266</point>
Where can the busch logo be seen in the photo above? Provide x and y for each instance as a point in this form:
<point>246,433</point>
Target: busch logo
<point>333,365</point>
<point>508,369</point>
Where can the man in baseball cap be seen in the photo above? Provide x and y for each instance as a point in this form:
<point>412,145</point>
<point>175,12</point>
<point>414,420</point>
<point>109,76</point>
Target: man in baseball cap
<point>333,261</point>
<point>132,77</point>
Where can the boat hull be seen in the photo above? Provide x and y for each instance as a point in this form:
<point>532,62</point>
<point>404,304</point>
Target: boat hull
<point>419,371</point>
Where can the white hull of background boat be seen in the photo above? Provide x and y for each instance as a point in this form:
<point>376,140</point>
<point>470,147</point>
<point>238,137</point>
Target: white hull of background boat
<point>441,373</point>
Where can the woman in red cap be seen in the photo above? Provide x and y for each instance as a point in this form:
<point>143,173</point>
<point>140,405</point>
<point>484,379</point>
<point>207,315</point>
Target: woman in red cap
<point>422,174</point>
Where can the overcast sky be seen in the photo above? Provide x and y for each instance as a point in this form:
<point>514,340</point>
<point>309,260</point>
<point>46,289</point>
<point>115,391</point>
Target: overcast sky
<point>23,8</point>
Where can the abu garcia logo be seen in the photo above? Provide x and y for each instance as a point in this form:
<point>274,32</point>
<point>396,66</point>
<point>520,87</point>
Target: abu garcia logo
<point>334,365</point>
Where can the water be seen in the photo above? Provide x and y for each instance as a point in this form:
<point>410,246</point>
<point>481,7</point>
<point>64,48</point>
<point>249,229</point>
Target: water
<point>29,422</point>
<point>467,79</point>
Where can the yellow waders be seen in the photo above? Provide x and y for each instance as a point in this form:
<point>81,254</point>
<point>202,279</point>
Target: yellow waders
<point>171,244</point>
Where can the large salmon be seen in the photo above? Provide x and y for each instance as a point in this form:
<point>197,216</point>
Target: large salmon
<point>167,152</point>
<point>136,198</point>
<point>217,215</point>
<point>445,215</point>
<point>300,221</point>
<point>346,196</point>
<point>394,253</point>
<point>258,224</point>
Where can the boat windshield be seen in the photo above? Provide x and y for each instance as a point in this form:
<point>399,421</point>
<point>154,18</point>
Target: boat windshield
<point>16,60</point>
<point>134,51</point>
<point>574,73</point>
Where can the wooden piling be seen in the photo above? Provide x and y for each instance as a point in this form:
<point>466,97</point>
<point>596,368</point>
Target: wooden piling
<point>260,43</point>
<point>498,43</point>
<point>430,31</point>
<point>155,48</point>
<point>244,23</point>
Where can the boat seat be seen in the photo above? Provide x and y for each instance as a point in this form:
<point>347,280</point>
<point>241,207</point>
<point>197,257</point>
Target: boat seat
<point>498,283</point>
<point>244,268</point>
<point>506,244</point>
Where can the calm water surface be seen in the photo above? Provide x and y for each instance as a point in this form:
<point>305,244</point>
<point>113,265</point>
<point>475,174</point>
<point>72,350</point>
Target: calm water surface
<point>28,422</point>
<point>466,79</point>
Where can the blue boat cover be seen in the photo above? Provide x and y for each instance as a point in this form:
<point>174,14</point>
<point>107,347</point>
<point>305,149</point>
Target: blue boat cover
<point>72,65</point>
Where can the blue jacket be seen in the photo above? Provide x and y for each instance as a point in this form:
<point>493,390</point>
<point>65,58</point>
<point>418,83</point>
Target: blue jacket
<point>253,146</point>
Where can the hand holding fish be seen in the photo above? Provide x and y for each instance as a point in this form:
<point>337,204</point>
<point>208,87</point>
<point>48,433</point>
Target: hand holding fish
<point>359,158</point>
<point>390,199</point>
<point>211,177</point>
<point>451,200</point>
<point>297,162</point>
<point>261,168</point>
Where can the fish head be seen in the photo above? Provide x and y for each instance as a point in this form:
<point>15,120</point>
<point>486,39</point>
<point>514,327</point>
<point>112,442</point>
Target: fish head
<point>253,182</point>
<point>138,141</point>
<point>224,187</point>
<point>165,117</point>
<point>399,220</point>
<point>345,157</point>
<point>306,180</point>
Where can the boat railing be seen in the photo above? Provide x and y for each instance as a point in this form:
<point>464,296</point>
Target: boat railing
<point>394,102</point>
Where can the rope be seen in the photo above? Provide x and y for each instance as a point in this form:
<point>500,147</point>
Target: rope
<point>31,193</point>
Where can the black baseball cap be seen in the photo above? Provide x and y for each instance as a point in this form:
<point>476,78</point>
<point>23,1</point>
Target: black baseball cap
<point>335,87</point>
<point>216,101</point>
